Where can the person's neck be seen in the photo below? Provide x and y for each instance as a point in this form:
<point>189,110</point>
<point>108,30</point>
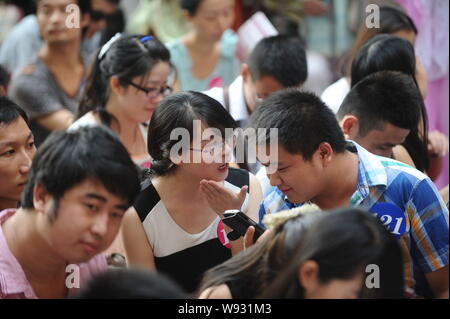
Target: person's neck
<point>8,203</point>
<point>339,187</point>
<point>35,256</point>
<point>128,129</point>
<point>181,185</point>
<point>194,41</point>
<point>65,55</point>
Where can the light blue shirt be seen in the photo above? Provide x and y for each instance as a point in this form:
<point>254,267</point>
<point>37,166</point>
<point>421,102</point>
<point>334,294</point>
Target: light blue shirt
<point>227,68</point>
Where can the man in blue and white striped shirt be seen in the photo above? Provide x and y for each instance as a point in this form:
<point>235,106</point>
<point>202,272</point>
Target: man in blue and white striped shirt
<point>315,164</point>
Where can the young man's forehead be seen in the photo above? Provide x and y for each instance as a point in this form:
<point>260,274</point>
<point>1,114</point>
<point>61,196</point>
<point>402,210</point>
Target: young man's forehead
<point>15,132</point>
<point>95,189</point>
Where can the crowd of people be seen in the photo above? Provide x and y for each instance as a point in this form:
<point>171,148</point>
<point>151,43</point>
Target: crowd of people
<point>121,153</point>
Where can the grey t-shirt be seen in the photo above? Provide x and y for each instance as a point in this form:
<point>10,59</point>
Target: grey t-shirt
<point>35,89</point>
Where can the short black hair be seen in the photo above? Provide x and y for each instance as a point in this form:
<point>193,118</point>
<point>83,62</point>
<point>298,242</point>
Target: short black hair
<point>84,5</point>
<point>131,284</point>
<point>381,97</point>
<point>190,6</point>
<point>303,122</point>
<point>10,111</point>
<point>68,158</point>
<point>281,57</point>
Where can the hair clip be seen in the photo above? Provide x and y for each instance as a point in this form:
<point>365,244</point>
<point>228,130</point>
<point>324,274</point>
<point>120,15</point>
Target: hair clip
<point>146,38</point>
<point>274,220</point>
<point>108,45</point>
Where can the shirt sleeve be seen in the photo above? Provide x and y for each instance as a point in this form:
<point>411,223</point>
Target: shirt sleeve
<point>429,227</point>
<point>261,213</point>
<point>34,94</point>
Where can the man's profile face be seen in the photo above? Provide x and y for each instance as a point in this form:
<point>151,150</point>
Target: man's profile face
<point>297,178</point>
<point>382,141</point>
<point>17,150</point>
<point>261,89</point>
<point>87,221</point>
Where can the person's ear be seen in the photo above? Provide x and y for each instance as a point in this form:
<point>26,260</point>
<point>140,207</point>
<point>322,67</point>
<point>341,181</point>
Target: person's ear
<point>41,198</point>
<point>308,277</point>
<point>114,83</point>
<point>350,126</point>
<point>325,153</point>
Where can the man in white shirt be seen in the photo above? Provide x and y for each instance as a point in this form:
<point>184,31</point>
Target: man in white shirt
<point>275,63</point>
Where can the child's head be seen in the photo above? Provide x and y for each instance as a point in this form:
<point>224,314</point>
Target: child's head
<point>132,71</point>
<point>179,136</point>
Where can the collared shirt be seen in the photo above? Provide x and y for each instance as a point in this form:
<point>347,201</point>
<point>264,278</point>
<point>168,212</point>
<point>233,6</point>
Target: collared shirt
<point>238,109</point>
<point>13,281</point>
<point>237,106</point>
<point>405,200</point>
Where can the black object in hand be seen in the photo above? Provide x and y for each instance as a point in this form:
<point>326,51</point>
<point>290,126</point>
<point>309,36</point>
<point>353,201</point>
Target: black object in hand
<point>240,222</point>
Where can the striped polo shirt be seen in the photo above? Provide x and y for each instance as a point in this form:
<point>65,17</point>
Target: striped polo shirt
<point>407,203</point>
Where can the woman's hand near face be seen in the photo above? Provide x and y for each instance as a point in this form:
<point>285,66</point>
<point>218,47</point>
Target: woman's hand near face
<point>220,198</point>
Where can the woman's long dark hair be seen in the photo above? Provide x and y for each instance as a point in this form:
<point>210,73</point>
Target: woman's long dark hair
<point>343,243</point>
<point>258,265</point>
<point>390,53</point>
<point>127,57</point>
<point>392,19</point>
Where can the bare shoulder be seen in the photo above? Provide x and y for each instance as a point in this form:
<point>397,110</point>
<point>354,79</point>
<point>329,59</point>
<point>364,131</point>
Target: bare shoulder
<point>216,292</point>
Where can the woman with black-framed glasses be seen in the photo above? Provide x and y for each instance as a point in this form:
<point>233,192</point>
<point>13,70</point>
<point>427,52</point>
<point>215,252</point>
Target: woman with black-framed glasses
<point>174,226</point>
<point>153,93</point>
<point>128,80</point>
